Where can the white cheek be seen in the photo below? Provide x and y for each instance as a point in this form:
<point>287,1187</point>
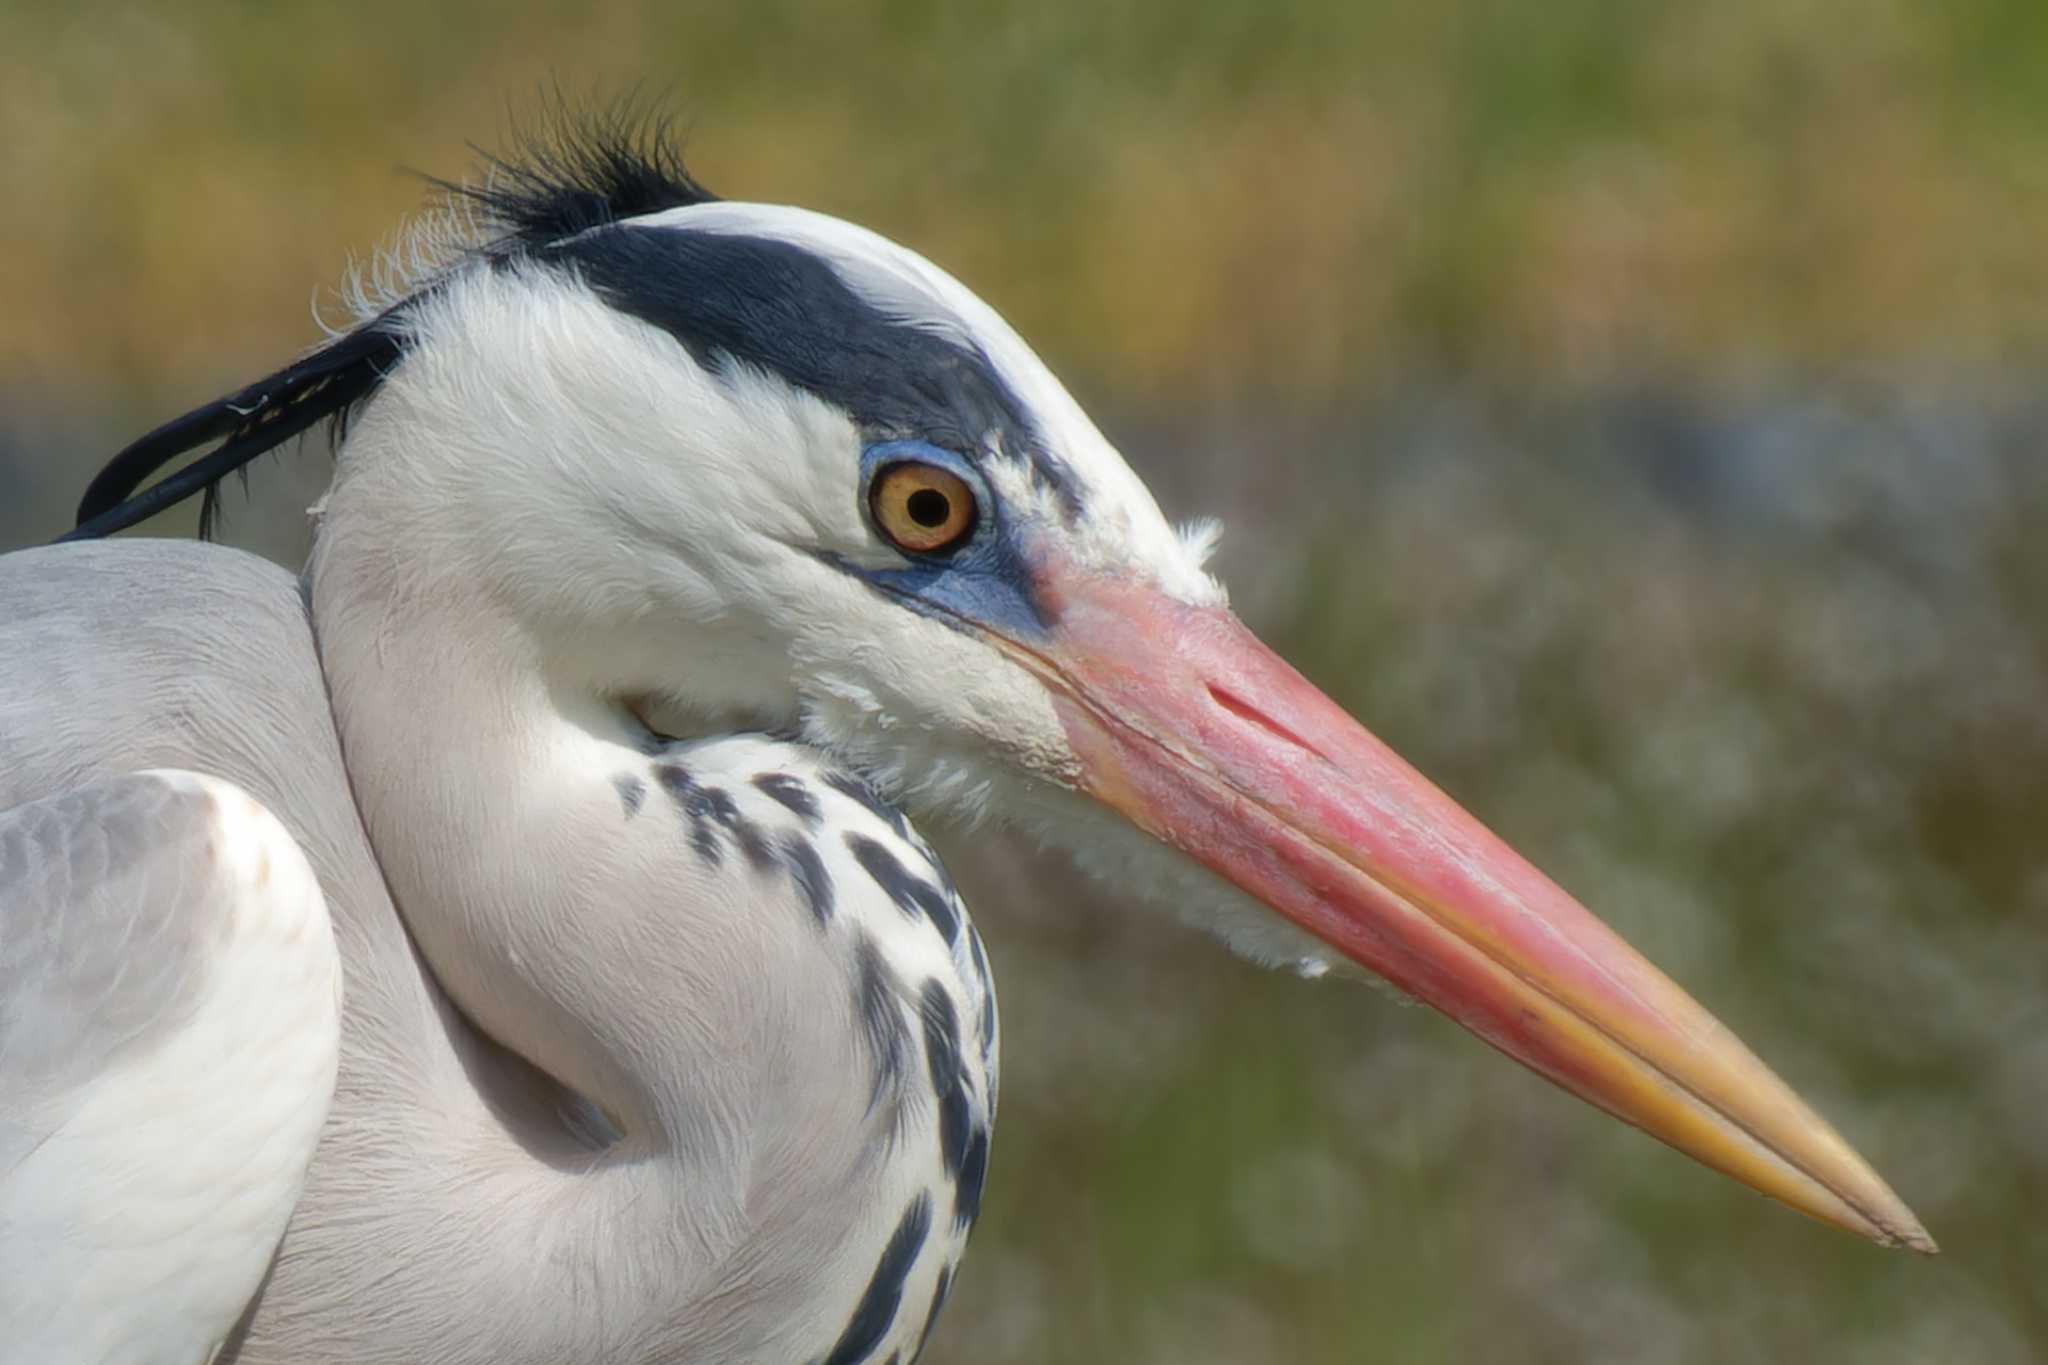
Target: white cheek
<point>935,717</point>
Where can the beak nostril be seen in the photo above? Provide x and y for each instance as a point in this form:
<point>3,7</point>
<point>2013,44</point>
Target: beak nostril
<point>1252,715</point>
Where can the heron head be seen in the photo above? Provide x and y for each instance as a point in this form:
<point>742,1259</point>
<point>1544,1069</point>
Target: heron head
<point>742,464</point>
<point>746,465</point>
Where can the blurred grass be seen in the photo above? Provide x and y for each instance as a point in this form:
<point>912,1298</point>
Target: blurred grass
<point>1779,714</point>
<point>1256,197</point>
<point>1630,410</point>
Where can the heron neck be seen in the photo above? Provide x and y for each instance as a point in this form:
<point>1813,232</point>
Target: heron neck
<point>581,939</point>
<point>547,859</point>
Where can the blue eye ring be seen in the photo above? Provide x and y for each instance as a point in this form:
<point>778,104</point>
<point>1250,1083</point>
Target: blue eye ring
<point>981,581</point>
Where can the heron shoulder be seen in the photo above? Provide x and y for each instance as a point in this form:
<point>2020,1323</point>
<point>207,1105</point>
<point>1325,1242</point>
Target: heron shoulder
<point>166,967</point>
<point>142,653</point>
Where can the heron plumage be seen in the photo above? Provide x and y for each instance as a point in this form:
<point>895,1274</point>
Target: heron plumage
<point>675,548</point>
<point>774,1249</point>
<point>556,518</point>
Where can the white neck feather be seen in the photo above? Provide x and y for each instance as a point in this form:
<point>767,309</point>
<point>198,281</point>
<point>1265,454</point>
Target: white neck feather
<point>600,951</point>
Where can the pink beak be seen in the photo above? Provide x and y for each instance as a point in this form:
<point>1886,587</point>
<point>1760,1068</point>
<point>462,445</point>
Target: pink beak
<point>1210,742</point>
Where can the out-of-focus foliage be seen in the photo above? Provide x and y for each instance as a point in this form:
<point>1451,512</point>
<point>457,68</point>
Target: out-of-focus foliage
<point>1269,194</point>
<point>1764,682</point>
<point>1628,409</point>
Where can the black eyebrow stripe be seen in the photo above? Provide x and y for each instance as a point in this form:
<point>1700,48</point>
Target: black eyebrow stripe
<point>778,306</point>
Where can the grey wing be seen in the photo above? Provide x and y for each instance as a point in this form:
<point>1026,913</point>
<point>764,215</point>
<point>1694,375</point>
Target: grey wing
<point>106,919</point>
<point>169,1022</point>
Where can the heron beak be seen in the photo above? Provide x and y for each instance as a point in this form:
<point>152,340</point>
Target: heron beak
<point>1206,739</point>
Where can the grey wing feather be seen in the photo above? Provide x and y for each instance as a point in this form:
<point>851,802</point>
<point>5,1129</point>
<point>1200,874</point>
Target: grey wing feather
<point>108,914</point>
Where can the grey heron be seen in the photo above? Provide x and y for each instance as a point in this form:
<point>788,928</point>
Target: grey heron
<point>546,848</point>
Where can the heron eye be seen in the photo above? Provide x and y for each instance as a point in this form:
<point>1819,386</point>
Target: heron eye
<point>921,507</point>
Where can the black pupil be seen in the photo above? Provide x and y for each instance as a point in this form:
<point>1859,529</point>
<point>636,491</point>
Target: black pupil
<point>928,507</point>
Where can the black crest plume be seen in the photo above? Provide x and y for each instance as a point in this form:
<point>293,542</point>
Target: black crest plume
<point>576,172</point>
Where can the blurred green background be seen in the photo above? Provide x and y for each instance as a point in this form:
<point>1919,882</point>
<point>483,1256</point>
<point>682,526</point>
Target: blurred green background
<point>1632,411</point>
